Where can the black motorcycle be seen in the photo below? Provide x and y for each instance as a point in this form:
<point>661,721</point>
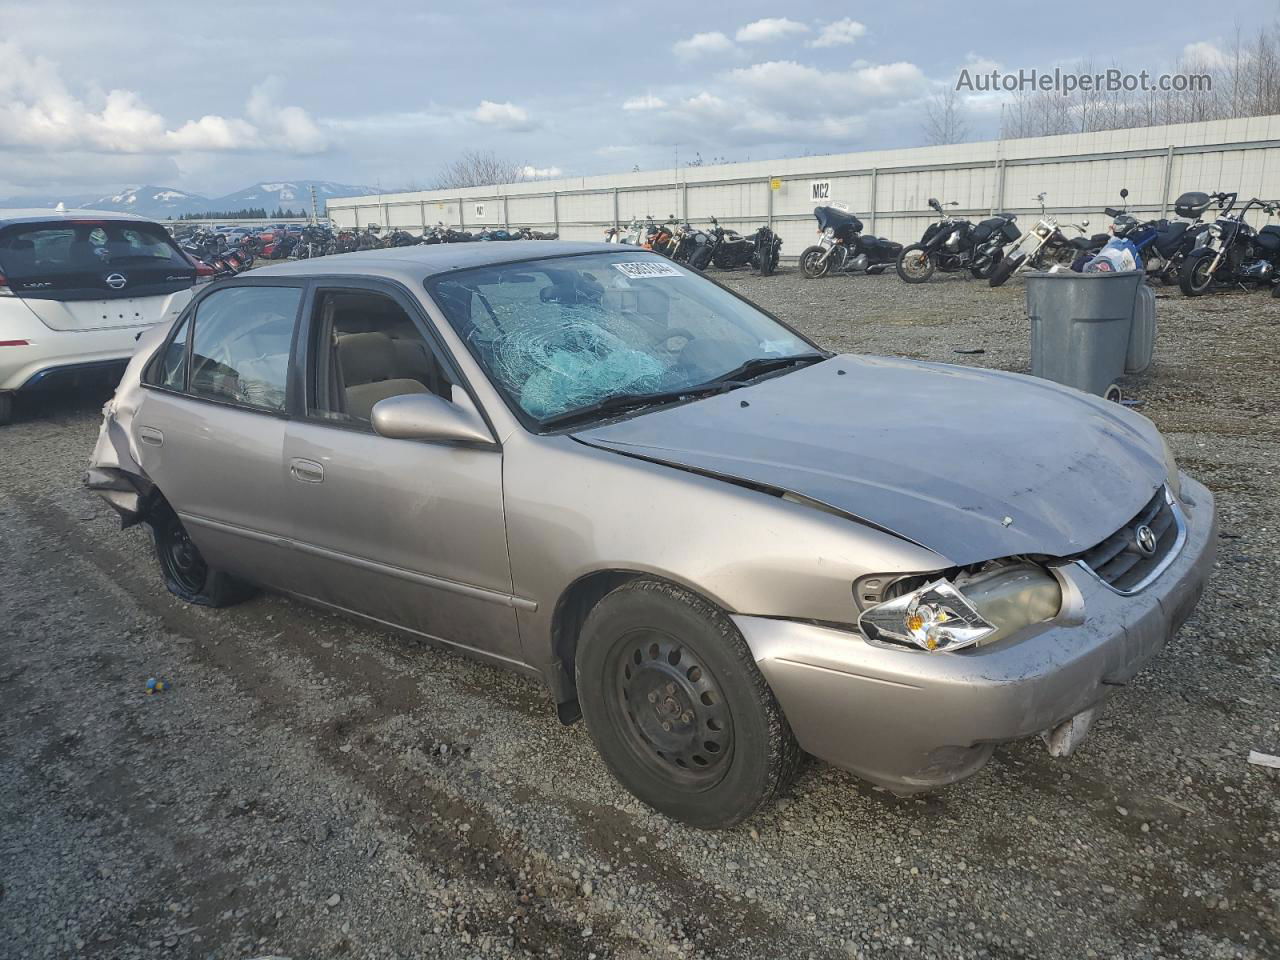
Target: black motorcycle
<point>1164,244</point>
<point>768,248</point>
<point>843,248</point>
<point>1232,252</point>
<point>953,243</point>
<point>734,250</point>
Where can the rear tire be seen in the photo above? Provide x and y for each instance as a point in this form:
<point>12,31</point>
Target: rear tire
<point>1005,269</point>
<point>677,708</point>
<point>812,266</point>
<point>1195,279</point>
<point>185,572</point>
<point>922,264</point>
<point>6,409</point>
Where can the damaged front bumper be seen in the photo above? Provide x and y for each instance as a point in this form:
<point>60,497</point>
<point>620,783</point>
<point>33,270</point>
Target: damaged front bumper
<point>912,721</point>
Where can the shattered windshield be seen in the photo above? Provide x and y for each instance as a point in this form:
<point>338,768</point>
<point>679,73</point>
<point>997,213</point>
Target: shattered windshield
<point>566,333</point>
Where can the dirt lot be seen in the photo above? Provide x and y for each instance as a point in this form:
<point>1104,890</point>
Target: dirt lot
<point>313,789</point>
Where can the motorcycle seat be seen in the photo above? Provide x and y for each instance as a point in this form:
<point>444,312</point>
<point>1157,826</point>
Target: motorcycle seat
<point>1268,239</point>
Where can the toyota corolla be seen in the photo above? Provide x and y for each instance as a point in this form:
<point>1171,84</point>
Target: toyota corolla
<point>713,540</point>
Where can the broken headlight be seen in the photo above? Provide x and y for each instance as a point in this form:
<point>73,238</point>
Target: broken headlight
<point>966,609</point>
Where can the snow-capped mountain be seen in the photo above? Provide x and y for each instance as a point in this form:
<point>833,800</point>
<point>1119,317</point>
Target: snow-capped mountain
<point>150,201</point>
<point>288,194</point>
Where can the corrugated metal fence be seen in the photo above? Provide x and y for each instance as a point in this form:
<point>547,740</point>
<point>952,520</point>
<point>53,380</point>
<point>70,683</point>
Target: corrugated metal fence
<point>889,190</point>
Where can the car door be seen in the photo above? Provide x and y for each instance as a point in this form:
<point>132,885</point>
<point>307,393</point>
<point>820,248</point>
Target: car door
<point>408,532</point>
<point>210,429</point>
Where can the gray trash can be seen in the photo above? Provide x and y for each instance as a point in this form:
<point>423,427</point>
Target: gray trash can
<point>1081,325</point>
<point>1142,335</point>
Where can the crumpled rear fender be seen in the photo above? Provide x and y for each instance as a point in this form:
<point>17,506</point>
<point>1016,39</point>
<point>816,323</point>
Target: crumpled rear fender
<point>114,472</point>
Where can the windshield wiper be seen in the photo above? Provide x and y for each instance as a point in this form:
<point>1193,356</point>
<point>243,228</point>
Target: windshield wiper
<point>761,365</point>
<point>622,402</point>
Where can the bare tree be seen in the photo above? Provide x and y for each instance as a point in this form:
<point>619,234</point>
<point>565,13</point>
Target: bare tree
<point>943,122</point>
<point>477,168</point>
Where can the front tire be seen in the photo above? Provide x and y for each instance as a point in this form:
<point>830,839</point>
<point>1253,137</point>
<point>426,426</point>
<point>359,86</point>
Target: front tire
<point>916,264</point>
<point>1195,278</point>
<point>677,708</point>
<point>6,409</point>
<point>185,572</point>
<point>1006,269</point>
<point>812,264</point>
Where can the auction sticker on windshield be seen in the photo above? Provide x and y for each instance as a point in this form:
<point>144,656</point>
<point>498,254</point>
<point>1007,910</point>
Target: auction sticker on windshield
<point>645,269</point>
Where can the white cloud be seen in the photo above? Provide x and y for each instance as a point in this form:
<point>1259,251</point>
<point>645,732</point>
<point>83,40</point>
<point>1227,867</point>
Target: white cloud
<point>613,150</point>
<point>770,28</point>
<point>39,112</point>
<point>647,102</point>
<point>788,85</point>
<point>900,79</point>
<point>839,33</point>
<point>976,63</point>
<point>540,173</point>
<point>1203,54</point>
<point>505,115</point>
<point>701,44</point>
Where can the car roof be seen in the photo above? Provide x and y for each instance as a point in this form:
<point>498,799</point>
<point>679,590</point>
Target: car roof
<point>40,214</point>
<point>427,260</point>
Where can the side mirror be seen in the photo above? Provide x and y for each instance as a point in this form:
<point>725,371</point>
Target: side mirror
<point>425,416</point>
<point>1124,193</point>
<point>1084,223</point>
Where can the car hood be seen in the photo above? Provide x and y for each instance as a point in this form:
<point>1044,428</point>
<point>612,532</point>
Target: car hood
<point>972,464</point>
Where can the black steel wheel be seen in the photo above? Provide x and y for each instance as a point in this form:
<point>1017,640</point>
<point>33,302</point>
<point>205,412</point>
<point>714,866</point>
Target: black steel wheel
<point>677,707</point>
<point>183,567</point>
<point>671,708</point>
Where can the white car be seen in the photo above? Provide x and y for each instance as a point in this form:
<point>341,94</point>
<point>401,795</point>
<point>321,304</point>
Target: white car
<point>77,287</point>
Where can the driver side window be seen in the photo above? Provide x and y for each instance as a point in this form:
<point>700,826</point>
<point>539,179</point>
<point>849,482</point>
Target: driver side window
<point>366,349</point>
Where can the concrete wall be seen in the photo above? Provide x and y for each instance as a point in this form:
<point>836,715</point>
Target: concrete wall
<point>888,189</point>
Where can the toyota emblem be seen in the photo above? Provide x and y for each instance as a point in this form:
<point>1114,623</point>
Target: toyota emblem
<point>116,281</point>
<point>1146,539</point>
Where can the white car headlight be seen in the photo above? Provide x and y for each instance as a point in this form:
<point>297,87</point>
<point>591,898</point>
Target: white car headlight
<point>970,609</point>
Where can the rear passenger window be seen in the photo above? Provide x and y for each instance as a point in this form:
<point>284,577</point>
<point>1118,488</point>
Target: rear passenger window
<point>240,345</point>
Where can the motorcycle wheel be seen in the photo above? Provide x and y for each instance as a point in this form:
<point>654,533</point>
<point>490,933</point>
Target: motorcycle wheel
<point>700,259</point>
<point>984,273</point>
<point>812,266</point>
<point>724,260</point>
<point>1195,279</point>
<point>915,264</point>
<point>1005,269</point>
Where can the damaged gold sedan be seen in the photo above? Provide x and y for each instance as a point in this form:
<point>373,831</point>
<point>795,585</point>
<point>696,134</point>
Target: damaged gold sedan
<point>716,542</point>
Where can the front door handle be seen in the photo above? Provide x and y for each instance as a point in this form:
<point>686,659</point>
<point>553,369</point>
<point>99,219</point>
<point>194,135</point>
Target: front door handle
<point>308,471</point>
<point>151,435</point>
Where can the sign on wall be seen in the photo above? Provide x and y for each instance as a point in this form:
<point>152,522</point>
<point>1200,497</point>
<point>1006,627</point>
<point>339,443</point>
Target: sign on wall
<point>775,183</point>
<point>479,211</point>
<point>819,190</point>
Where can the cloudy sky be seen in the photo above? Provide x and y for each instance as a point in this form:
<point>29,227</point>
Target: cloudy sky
<point>209,98</point>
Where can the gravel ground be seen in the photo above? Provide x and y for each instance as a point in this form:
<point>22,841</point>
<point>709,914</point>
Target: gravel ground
<point>307,787</point>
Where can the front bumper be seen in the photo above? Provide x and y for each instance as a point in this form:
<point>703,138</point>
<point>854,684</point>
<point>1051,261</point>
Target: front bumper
<point>912,721</point>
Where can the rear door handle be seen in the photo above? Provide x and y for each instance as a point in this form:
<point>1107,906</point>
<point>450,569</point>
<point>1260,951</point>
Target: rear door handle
<point>151,435</point>
<point>308,471</point>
